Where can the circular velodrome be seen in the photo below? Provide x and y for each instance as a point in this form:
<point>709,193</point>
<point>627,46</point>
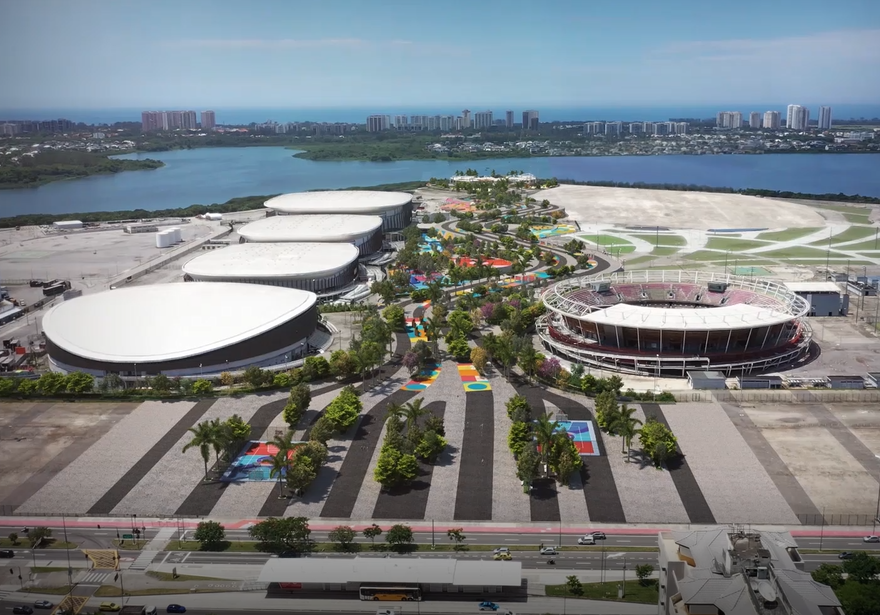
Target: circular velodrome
<point>363,232</point>
<point>665,323</point>
<point>317,267</point>
<point>179,329</point>
<point>395,208</point>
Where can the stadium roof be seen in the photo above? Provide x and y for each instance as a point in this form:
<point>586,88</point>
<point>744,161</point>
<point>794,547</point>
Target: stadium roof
<point>739,316</point>
<point>439,571</point>
<point>812,287</point>
<point>163,322</point>
<point>318,227</point>
<point>339,202</point>
<point>273,260</point>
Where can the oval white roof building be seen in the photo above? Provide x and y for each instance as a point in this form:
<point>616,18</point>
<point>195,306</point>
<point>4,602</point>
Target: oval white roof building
<point>179,329</point>
<point>363,232</point>
<point>317,267</point>
<point>395,208</point>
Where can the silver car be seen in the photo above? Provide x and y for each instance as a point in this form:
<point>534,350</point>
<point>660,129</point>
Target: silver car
<point>549,551</point>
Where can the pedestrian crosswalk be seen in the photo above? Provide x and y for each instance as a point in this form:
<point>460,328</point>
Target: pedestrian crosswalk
<point>91,577</point>
<point>143,560</point>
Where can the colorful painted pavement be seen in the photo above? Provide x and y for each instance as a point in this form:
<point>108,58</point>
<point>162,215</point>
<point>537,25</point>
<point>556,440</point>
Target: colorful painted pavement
<point>254,463</point>
<point>542,232</point>
<point>583,434</point>
<point>471,378</point>
<point>425,378</point>
<point>415,330</point>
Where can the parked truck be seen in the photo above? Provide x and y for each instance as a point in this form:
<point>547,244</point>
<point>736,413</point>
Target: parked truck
<point>56,289</point>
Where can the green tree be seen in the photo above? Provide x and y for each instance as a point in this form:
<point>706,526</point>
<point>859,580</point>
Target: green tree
<point>527,357</point>
<point>607,411</point>
<point>13,538</point>
<point>344,410</point>
<point>28,387</point>
<point>315,368</point>
<point>210,535</point>
<point>460,323</point>
<point>407,467</point>
<point>457,536</point>
<point>254,376</point>
<point>862,568</point>
<point>643,571</point>
<point>459,349</point>
<point>238,430</point>
<point>628,427</point>
<point>372,532</point>
<point>79,383</point>
<point>385,289</point>
<point>430,446</point>
<point>574,585</point>
<point>51,383</point>
<point>518,409</point>
<point>565,458</point>
<point>343,536</point>
<point>435,423</point>
<point>413,411</point>
<point>829,574</point>
<point>545,430</point>
<point>161,383</point>
<point>519,436</point>
<point>297,402</point>
<point>202,387</point>
<point>37,535</point>
<point>395,317</point>
<point>657,441</point>
<point>528,465</point>
<point>480,359</point>
<point>280,465</point>
<point>203,436</point>
<point>280,534</point>
<point>321,431</point>
<point>281,380</point>
<point>7,386</point>
<point>300,473</point>
<point>386,473</point>
<point>399,537</point>
<point>342,365</point>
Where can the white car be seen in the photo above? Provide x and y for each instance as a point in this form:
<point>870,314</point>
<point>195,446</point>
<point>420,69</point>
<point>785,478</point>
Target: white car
<point>549,551</point>
<point>501,550</point>
<point>587,539</point>
<point>871,539</point>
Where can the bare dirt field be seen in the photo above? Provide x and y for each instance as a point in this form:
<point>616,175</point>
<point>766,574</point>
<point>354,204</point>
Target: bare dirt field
<point>700,210</point>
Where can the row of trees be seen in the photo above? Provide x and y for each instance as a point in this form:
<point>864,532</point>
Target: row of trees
<point>657,441</point>
<point>412,433</point>
<point>225,438</point>
<point>855,583</point>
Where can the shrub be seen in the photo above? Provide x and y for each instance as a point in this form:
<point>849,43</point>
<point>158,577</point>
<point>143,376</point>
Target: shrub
<point>8,386</point>
<point>281,380</point>
<point>202,387</point>
<point>518,408</point>
<point>459,349</point>
<point>344,410</point>
<point>51,383</point>
<point>315,368</point>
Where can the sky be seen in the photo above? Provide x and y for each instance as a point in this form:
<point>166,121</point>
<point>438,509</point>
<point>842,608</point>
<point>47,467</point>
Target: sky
<point>100,54</point>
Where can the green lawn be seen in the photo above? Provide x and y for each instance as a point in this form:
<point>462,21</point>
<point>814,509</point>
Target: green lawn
<point>665,240</point>
<point>863,211</point>
<point>605,240</point>
<point>733,245</point>
<point>798,252</point>
<point>55,591</point>
<point>111,591</point>
<point>684,267</point>
<point>634,591</point>
<point>664,251</point>
<point>862,245</point>
<point>708,255</point>
<point>787,234</point>
<point>857,218</point>
<point>639,259</point>
<point>850,234</point>
<point>833,261</point>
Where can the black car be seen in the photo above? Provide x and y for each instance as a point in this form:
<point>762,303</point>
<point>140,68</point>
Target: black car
<point>288,554</point>
<point>23,610</point>
<point>7,553</point>
<point>845,555</point>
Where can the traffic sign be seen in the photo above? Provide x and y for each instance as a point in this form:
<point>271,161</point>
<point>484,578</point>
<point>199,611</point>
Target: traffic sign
<point>128,537</point>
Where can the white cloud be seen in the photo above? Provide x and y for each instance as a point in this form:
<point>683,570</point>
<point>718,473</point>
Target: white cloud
<point>282,44</point>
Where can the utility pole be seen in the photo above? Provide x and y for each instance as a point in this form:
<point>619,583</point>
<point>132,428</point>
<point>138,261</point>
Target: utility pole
<point>822,529</point>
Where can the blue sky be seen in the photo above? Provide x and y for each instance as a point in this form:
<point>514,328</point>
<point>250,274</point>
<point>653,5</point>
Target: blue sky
<point>417,53</point>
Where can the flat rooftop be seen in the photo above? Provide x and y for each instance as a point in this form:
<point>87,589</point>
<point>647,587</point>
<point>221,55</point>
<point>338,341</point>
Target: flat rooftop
<point>311,227</point>
<point>273,260</point>
<point>339,201</point>
<point>812,287</point>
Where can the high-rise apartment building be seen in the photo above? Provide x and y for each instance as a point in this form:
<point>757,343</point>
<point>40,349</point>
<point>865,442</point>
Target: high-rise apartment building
<point>482,119</point>
<point>754,119</point>
<point>151,120</point>
<point>771,120</point>
<point>797,117</point>
<point>400,122</point>
<point>466,118</point>
<point>729,120</point>
<point>530,120</point>
<point>594,128</point>
<point>208,120</point>
<point>447,122</point>
<point>648,128</point>
<point>635,128</point>
<point>508,119</point>
<point>378,123</point>
<point>824,118</point>
<point>613,129</point>
<point>681,128</point>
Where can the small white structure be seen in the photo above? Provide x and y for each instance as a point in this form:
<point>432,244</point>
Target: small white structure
<point>175,235</point>
<point>67,225</point>
<point>215,217</point>
<point>164,239</point>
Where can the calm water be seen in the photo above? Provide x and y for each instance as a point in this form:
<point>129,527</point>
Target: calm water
<point>215,175</point>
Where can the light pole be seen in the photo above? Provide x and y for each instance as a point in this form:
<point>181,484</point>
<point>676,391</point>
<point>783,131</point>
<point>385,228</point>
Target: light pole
<point>20,581</point>
<point>877,513</point>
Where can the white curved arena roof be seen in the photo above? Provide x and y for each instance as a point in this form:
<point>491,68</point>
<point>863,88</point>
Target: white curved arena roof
<point>740,316</point>
<point>273,260</point>
<point>318,227</point>
<point>339,202</point>
<point>163,322</point>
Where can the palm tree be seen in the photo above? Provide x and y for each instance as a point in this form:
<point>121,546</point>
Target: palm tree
<point>280,463</point>
<point>218,438</point>
<point>544,433</point>
<point>628,427</point>
<point>203,436</point>
<point>395,411</point>
<point>432,331</point>
<point>413,411</point>
<point>284,442</point>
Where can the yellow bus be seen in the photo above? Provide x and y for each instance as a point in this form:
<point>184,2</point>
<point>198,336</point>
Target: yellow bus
<point>390,594</point>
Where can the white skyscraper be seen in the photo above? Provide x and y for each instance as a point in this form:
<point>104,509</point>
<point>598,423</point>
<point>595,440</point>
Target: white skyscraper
<point>466,118</point>
<point>771,120</point>
<point>731,120</point>
<point>482,119</point>
<point>824,118</point>
<point>797,117</point>
<point>378,123</point>
<point>400,122</point>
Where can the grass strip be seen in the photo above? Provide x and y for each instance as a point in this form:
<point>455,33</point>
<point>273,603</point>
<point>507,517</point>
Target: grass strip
<point>788,234</point>
<point>733,245</point>
<point>55,591</point>
<point>662,240</point>
<point>168,576</point>
<point>324,547</point>
<point>48,569</point>
<point>634,591</point>
<point>110,591</point>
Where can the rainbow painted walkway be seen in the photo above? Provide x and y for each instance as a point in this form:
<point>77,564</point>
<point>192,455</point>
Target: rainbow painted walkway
<point>425,378</point>
<point>471,378</point>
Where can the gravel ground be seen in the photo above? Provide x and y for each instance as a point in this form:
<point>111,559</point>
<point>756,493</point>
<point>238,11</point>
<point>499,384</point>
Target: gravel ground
<point>168,484</point>
<point>647,495</point>
<point>509,503</point>
<point>572,505</point>
<point>260,401</point>
<point>76,488</point>
<point>244,499</point>
<point>735,484</point>
<point>444,481</point>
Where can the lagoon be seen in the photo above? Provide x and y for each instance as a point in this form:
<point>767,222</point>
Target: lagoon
<point>215,175</point>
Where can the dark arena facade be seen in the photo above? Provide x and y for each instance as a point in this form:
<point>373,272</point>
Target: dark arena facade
<point>666,323</point>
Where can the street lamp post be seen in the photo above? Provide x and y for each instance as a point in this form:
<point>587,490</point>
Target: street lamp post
<point>877,512</point>
<point>20,581</point>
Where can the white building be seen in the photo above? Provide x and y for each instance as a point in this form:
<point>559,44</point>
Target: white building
<point>729,120</point>
<point>363,232</point>
<point>378,123</point>
<point>754,119</point>
<point>530,120</point>
<point>482,119</point>
<point>797,117</point>
<point>466,118</point>
<point>771,120</point>
<point>395,208</point>
<point>613,129</point>
<point>824,118</point>
<point>400,122</point>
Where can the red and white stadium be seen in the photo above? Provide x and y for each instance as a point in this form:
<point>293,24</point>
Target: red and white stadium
<point>665,323</point>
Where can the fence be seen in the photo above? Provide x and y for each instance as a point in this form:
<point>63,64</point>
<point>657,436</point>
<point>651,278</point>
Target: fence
<point>781,396</point>
<point>839,519</point>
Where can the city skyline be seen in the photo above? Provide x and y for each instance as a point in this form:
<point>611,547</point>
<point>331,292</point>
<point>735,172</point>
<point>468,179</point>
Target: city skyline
<point>343,54</point>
